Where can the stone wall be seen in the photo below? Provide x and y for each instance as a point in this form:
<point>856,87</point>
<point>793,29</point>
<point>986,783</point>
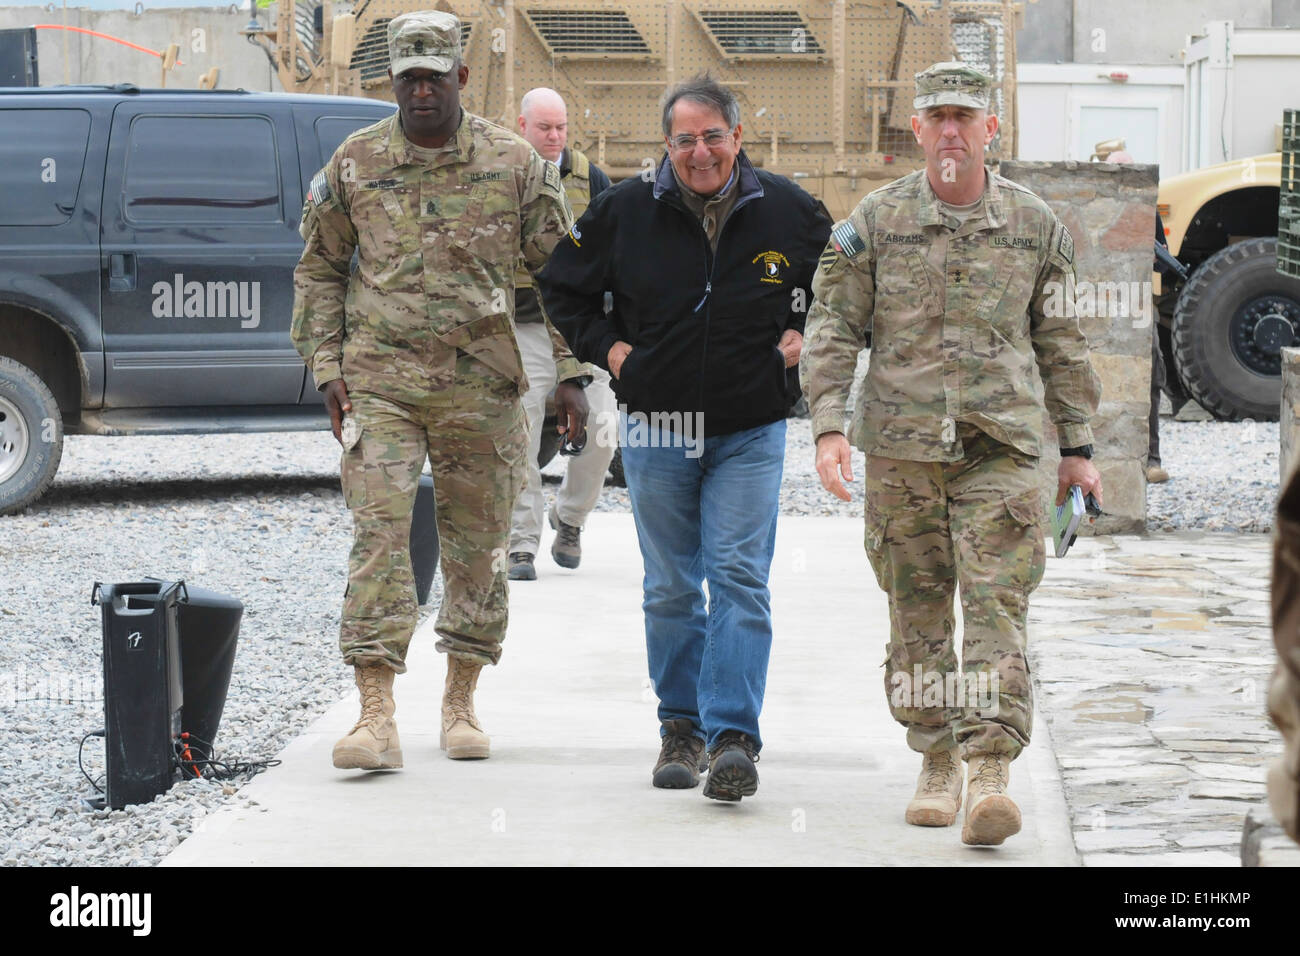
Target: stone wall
<point>1289,424</point>
<point>1110,212</point>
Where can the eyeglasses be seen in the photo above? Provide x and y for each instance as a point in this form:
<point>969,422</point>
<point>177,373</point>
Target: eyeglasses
<point>712,139</point>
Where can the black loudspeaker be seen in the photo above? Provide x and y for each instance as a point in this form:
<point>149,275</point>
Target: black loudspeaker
<point>169,650</point>
<point>142,688</point>
<point>209,632</point>
<point>424,539</point>
<point>18,57</point>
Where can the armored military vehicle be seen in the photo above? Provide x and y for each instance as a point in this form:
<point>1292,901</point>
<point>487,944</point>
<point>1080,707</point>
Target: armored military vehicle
<point>825,85</point>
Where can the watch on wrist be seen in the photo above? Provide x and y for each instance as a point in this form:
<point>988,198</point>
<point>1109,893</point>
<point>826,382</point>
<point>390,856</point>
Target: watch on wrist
<point>582,381</point>
<point>1083,451</point>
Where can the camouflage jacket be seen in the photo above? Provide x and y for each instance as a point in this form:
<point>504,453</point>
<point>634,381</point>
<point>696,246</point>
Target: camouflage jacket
<point>957,318</point>
<point>576,177</point>
<point>437,245</point>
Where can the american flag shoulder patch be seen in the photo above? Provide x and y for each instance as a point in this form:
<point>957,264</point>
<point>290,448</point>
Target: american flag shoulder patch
<point>847,239</point>
<point>319,192</point>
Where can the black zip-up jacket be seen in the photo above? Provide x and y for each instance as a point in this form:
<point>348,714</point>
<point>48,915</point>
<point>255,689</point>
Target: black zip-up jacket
<point>703,327</point>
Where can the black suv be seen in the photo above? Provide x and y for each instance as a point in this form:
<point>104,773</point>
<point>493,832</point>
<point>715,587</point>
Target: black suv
<point>147,246</point>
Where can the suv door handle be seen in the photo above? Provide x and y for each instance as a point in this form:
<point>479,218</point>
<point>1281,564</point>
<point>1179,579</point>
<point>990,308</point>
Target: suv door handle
<point>121,272</point>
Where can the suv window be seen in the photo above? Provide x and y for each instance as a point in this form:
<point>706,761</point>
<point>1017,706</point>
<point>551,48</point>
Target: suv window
<point>211,169</point>
<point>331,131</point>
<point>42,153</point>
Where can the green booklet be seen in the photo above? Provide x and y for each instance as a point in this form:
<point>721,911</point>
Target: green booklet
<point>1067,517</point>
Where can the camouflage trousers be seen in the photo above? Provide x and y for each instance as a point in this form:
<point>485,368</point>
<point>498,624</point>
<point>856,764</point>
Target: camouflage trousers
<point>977,523</point>
<point>475,445</point>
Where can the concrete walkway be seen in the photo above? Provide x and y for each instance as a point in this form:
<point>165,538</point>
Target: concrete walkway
<point>574,737</point>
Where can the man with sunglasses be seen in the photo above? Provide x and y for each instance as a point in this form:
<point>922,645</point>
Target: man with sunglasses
<point>414,348</point>
<point>710,263</point>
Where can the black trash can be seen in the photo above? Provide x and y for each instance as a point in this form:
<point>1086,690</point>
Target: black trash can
<point>143,693</point>
<point>424,539</point>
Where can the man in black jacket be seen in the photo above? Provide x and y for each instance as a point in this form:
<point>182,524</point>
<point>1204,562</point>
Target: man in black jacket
<point>710,265</point>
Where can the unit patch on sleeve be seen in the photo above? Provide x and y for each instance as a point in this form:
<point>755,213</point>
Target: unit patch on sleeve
<point>1065,245</point>
<point>1061,248</point>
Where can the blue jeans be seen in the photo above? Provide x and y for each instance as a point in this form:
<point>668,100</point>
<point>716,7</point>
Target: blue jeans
<point>707,514</point>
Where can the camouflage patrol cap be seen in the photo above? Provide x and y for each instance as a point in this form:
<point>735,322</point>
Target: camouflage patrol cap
<point>423,40</point>
<point>952,83</point>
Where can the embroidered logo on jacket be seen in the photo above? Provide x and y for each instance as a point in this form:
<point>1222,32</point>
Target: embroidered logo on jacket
<point>773,263</point>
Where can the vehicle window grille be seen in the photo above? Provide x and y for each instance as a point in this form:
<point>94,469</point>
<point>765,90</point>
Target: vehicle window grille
<point>304,25</point>
<point>761,33</point>
<point>578,33</point>
<point>980,44</point>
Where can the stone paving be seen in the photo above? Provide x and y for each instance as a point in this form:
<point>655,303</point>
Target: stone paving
<point>1151,657</point>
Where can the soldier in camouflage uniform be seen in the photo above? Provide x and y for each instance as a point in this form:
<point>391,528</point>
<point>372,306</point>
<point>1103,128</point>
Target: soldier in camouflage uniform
<point>947,274</point>
<point>415,352</point>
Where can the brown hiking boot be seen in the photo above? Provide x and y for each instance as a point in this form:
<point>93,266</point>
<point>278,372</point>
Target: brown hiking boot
<point>938,790</point>
<point>681,756</point>
<point>991,815</point>
<point>462,735</point>
<point>732,773</point>
<point>372,744</point>
<point>566,549</point>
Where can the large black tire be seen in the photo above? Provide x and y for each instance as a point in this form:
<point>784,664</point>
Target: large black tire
<point>31,436</point>
<point>1231,321</point>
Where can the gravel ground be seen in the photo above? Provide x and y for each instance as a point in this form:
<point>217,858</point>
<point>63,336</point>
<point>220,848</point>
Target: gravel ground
<point>261,517</point>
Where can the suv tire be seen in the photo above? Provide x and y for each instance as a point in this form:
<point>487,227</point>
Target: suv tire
<point>31,436</point>
<point>1223,326</point>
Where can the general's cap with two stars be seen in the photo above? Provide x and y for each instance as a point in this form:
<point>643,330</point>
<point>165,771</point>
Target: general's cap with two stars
<point>953,84</point>
<point>423,40</point>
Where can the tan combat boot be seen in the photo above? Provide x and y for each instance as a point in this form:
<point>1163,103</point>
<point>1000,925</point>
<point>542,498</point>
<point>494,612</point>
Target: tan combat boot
<point>938,790</point>
<point>372,744</point>
<point>462,735</point>
<point>991,815</point>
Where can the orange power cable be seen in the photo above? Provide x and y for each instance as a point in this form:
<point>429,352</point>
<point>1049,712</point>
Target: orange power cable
<point>102,36</point>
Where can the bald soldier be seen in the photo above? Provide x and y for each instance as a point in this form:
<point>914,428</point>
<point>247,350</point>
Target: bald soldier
<point>947,273</point>
<point>415,352</point>
<point>544,122</point>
